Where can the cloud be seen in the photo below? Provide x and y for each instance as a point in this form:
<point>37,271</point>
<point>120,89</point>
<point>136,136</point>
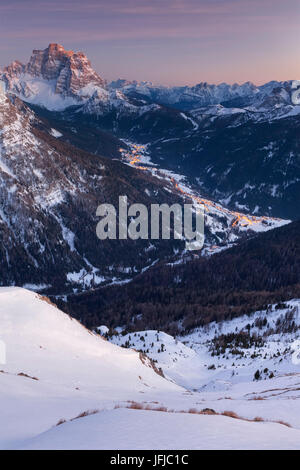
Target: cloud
<point>215,30</point>
<point>143,7</point>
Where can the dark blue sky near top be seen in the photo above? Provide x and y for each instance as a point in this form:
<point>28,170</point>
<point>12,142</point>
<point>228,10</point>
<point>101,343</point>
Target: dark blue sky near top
<point>164,41</point>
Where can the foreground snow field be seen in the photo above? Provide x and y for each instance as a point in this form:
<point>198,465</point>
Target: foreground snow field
<point>56,370</point>
<point>138,429</point>
<point>228,352</point>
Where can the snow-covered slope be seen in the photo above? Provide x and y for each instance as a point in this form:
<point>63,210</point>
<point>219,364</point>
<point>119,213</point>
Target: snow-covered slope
<point>44,342</point>
<point>222,354</point>
<point>106,397</point>
<point>249,365</point>
<point>55,368</point>
<point>126,429</point>
<point>180,363</point>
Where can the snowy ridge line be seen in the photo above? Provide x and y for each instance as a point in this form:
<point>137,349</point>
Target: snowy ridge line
<point>226,352</point>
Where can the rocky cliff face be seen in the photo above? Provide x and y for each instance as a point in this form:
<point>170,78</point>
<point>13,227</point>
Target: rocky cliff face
<point>66,73</point>
<point>71,70</point>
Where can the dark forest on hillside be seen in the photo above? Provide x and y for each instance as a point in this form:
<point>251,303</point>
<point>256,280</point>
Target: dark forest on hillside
<point>263,270</point>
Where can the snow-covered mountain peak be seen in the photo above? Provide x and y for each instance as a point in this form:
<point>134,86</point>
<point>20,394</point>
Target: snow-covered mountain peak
<point>72,70</point>
<point>56,78</point>
<point>53,77</point>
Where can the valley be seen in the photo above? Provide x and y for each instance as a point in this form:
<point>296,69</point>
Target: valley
<point>136,344</point>
<point>138,153</point>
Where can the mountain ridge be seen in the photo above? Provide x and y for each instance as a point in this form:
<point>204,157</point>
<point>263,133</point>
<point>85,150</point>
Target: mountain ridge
<point>75,78</point>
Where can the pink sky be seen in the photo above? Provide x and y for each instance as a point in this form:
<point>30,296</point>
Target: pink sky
<point>164,41</point>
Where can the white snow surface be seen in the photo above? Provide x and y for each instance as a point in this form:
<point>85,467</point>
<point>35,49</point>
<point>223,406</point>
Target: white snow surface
<point>156,430</point>
<point>55,133</point>
<point>42,93</point>
<point>56,370</point>
<point>187,359</point>
<point>75,368</point>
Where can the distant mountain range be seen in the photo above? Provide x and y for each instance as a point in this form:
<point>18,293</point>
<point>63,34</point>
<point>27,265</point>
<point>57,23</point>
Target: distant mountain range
<point>56,78</point>
<point>235,143</point>
<point>215,332</point>
<point>233,146</point>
